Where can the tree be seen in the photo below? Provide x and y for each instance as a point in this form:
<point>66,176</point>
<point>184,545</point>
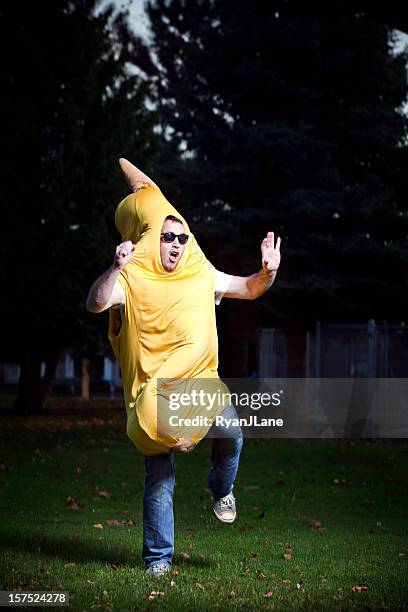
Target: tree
<point>72,107</point>
<point>291,121</point>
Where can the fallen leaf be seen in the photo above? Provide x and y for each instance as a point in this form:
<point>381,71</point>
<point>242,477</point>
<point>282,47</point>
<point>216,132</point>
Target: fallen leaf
<point>260,574</point>
<point>175,572</point>
<point>268,594</point>
<point>116,523</point>
<point>279,482</point>
<point>299,585</point>
<point>96,421</point>
<point>293,462</point>
<point>153,594</point>
<point>253,556</point>
<point>199,586</point>
<point>358,588</point>
<point>98,526</point>
<point>184,554</point>
<point>401,555</point>
<point>77,470</point>
<point>244,527</point>
<point>173,583</point>
<point>288,553</point>
<point>69,565</point>
<point>104,494</point>
<point>73,503</point>
<point>251,487</point>
<point>368,502</point>
<point>287,581</point>
<point>317,525</point>
<point>232,595</point>
<point>340,481</point>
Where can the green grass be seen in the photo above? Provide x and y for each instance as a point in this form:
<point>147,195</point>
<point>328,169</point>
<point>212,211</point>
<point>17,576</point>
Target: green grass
<point>357,490</point>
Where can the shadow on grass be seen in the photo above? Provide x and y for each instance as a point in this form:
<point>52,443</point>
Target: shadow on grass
<point>66,549</point>
<point>194,561</point>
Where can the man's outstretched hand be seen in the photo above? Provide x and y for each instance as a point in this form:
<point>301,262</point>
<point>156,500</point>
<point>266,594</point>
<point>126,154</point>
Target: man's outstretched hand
<point>184,445</point>
<point>123,254</point>
<point>270,252</point>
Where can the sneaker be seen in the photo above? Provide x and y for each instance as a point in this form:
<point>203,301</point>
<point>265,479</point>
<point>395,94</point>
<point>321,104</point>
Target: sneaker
<point>158,569</point>
<point>224,508</point>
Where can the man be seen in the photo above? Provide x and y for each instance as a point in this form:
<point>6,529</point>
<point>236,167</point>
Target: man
<point>162,326</point>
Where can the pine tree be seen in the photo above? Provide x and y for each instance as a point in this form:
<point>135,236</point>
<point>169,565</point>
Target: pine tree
<point>71,108</point>
<point>290,121</point>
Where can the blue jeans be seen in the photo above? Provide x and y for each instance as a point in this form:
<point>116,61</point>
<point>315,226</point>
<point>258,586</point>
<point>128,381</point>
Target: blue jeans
<point>158,519</point>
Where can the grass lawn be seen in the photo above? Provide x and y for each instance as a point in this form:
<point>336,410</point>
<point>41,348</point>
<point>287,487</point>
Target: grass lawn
<point>321,525</point>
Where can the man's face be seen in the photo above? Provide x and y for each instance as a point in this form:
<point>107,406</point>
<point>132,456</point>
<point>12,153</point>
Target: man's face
<point>171,252</point>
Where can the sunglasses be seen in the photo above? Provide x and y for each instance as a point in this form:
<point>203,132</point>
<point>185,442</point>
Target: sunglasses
<point>171,236</point>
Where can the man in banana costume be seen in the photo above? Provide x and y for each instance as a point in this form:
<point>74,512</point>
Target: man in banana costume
<point>160,291</point>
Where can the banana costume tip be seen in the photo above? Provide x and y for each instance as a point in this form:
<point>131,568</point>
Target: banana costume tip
<point>134,177</point>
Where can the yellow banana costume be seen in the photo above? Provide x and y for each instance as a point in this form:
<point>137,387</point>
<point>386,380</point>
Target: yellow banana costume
<point>167,343</point>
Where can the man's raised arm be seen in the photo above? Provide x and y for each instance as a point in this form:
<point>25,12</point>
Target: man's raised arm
<point>104,293</point>
<point>251,287</point>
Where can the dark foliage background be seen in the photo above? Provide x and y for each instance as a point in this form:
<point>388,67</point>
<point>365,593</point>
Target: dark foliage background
<point>274,118</point>
<point>289,120</point>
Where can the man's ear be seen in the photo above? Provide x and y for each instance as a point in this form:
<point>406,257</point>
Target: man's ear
<point>135,178</point>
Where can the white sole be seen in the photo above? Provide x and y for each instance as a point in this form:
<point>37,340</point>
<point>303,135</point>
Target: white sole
<point>223,520</point>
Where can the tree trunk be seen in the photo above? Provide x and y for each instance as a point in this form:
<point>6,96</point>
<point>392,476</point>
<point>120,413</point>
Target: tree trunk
<point>32,389</point>
<point>49,375</point>
<point>29,400</point>
<point>85,379</point>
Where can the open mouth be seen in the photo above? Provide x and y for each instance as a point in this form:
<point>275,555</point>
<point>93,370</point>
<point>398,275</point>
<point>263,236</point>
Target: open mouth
<point>173,256</point>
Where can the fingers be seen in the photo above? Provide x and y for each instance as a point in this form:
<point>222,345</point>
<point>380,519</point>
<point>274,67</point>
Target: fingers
<point>269,242</point>
<point>183,445</point>
<point>125,248</point>
<point>180,449</point>
<point>123,254</point>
